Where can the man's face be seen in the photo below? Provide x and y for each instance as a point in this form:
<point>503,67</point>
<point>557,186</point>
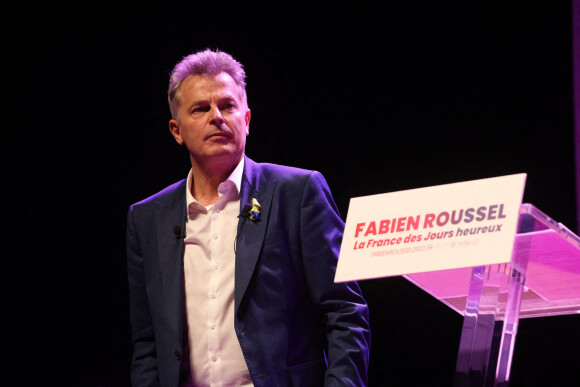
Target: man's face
<point>213,121</point>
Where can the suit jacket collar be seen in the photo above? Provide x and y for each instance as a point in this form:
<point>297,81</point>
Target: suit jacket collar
<point>251,233</point>
<point>169,218</point>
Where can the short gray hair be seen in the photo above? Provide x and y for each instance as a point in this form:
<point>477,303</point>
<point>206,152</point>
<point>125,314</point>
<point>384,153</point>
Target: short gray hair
<point>204,63</point>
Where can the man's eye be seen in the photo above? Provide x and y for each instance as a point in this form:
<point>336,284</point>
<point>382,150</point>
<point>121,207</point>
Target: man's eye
<point>199,109</point>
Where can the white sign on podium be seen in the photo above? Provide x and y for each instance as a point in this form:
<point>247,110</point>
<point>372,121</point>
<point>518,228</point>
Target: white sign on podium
<point>442,227</point>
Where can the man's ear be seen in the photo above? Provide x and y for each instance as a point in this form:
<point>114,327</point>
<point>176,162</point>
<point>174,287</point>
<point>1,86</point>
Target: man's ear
<point>248,116</point>
<point>175,131</point>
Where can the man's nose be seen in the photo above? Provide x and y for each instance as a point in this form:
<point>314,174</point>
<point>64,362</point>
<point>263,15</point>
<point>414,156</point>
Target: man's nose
<point>216,117</point>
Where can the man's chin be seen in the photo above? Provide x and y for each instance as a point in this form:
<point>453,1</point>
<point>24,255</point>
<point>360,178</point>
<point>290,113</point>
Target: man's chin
<point>224,155</point>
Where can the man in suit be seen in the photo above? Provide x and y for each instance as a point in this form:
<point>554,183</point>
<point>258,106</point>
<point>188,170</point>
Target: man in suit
<point>231,271</point>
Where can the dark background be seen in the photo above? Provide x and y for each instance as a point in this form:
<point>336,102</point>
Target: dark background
<point>379,99</point>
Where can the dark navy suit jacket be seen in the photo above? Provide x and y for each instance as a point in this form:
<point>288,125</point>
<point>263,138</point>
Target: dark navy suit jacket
<point>296,327</point>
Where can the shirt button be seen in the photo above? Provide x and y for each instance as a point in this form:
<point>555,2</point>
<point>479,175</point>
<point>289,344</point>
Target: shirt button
<point>215,236</point>
<point>215,266</point>
<point>214,358</point>
<point>213,295</point>
<point>212,326</point>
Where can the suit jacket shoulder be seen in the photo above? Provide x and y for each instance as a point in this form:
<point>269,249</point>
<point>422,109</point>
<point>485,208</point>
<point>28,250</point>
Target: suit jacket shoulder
<point>291,181</point>
<point>170,196</point>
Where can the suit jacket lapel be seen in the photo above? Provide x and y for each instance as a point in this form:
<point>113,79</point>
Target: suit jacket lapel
<point>251,233</point>
<point>169,214</point>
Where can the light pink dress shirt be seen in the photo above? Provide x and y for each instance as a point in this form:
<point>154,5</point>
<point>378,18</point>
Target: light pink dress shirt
<point>215,354</point>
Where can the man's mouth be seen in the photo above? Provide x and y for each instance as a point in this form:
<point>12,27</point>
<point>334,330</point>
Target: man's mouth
<point>219,135</point>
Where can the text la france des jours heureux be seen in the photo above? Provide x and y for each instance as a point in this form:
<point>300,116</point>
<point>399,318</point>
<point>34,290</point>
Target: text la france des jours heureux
<point>377,230</point>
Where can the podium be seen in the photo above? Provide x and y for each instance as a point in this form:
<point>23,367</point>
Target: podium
<point>542,279</point>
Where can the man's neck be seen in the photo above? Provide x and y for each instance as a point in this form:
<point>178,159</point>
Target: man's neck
<point>206,180</point>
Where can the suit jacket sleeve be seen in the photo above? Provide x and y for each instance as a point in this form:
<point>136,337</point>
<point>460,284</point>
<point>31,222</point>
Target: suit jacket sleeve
<point>344,309</point>
<point>144,370</point>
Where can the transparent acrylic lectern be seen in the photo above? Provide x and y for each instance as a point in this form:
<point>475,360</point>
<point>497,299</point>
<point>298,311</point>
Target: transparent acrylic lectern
<point>542,279</point>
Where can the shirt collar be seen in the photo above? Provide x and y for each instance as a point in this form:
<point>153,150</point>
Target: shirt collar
<point>235,177</point>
